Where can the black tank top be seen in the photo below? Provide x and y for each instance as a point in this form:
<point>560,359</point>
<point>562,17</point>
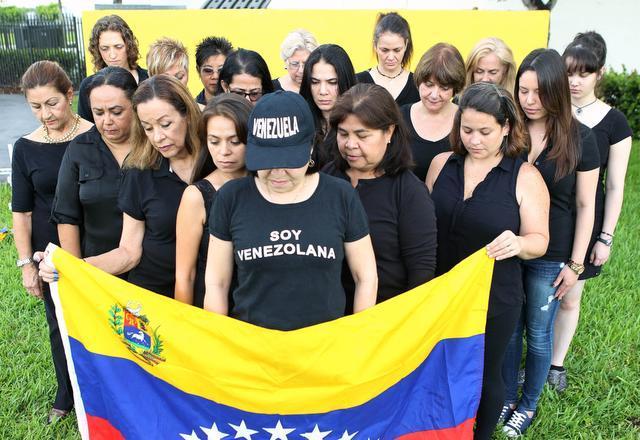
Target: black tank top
<point>464,226</point>
<point>208,194</point>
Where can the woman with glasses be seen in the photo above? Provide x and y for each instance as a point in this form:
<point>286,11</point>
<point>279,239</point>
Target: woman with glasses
<point>394,47</point>
<point>211,54</point>
<point>295,49</point>
<point>245,73</point>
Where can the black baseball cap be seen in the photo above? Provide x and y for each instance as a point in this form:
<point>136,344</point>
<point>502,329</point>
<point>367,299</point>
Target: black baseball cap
<point>281,131</point>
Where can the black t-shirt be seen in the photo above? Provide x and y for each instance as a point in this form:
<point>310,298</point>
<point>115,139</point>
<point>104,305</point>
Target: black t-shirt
<point>208,193</point>
<point>423,150</point>
<point>153,196</point>
<point>464,226</point>
<point>34,174</point>
<point>87,193</point>
<point>201,98</point>
<point>84,106</point>
<point>402,222</point>
<point>408,95</point>
<point>563,194</point>
<point>289,257</point>
<point>276,85</point>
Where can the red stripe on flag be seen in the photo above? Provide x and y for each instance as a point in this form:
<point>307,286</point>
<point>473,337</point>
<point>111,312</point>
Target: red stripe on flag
<point>101,429</point>
<point>463,431</point>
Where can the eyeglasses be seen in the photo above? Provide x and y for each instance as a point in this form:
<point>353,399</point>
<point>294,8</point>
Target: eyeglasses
<point>295,65</point>
<point>210,71</point>
<point>253,95</point>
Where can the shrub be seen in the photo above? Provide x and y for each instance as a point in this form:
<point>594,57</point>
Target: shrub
<point>14,62</point>
<point>622,91</point>
<point>12,13</point>
<point>51,11</point>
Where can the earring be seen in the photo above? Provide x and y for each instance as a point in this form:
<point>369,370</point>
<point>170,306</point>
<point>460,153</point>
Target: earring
<point>312,163</point>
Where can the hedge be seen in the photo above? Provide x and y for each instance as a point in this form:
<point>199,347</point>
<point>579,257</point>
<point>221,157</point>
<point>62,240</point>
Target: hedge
<point>622,91</point>
<point>14,62</point>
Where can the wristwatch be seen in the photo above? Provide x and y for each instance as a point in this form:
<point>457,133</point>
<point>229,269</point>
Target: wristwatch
<point>24,261</point>
<point>576,267</point>
<point>606,241</point>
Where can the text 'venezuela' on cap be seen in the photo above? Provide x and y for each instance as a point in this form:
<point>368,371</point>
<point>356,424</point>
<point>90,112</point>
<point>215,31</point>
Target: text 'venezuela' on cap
<point>281,131</point>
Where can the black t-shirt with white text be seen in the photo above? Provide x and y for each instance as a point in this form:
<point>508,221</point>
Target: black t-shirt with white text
<point>289,257</point>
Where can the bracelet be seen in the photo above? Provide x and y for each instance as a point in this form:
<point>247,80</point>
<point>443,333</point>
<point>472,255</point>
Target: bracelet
<point>606,233</point>
<point>577,268</point>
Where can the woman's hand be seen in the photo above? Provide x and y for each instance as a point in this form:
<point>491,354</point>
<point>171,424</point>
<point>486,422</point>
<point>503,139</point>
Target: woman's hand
<point>565,281</point>
<point>599,254</point>
<point>505,245</point>
<point>47,272</point>
<point>31,281</point>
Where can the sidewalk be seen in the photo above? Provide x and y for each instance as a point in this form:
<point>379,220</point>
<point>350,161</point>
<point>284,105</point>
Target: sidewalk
<point>16,120</point>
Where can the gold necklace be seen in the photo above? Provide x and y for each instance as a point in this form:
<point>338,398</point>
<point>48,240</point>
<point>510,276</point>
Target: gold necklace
<point>64,138</point>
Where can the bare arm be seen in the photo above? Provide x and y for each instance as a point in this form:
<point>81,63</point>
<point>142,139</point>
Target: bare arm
<point>218,275</point>
<point>434,169</point>
<point>22,239</point>
<point>189,230</point>
<point>586,183</point>
<point>128,253</point>
<point>362,264</point>
<point>70,239</point>
<point>533,238</point>
<point>616,172</point>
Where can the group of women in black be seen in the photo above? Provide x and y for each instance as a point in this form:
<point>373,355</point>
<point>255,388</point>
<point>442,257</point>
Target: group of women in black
<point>199,201</point>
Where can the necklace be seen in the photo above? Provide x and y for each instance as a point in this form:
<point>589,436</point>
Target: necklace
<point>579,109</point>
<point>387,76</point>
<point>64,138</point>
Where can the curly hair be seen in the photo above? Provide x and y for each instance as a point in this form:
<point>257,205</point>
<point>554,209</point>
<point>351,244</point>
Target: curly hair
<point>117,24</point>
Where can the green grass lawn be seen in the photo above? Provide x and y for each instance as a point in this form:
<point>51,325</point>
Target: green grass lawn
<point>602,402</point>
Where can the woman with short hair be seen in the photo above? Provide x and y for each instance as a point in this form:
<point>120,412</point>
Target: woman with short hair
<point>287,228</point>
<point>393,47</point>
<point>245,73</point>
<point>439,77</point>
<point>491,60</point>
<point>375,157</point>
<point>211,54</point>
<point>34,173</point>
<point>112,43</point>
<point>170,57</point>
<point>294,51</point>
<point>327,75</point>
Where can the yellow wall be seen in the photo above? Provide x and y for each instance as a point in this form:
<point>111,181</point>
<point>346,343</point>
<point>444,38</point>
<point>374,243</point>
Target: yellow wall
<point>263,30</point>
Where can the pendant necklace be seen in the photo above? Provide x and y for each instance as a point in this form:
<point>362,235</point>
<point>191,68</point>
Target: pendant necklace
<point>387,76</point>
<point>579,109</point>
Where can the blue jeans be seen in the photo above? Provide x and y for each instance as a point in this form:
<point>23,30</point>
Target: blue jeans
<point>538,315</point>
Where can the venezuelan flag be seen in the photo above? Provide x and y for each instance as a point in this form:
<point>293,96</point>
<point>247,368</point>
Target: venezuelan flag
<point>147,367</point>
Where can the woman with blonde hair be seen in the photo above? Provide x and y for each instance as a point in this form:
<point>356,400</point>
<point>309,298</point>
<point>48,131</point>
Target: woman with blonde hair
<point>158,169</point>
<point>491,60</point>
<point>170,57</point>
<point>295,49</point>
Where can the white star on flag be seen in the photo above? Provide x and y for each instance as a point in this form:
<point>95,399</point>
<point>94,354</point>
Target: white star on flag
<point>316,434</point>
<point>279,433</point>
<point>192,436</point>
<point>242,431</point>
<point>213,433</point>
<point>347,436</point>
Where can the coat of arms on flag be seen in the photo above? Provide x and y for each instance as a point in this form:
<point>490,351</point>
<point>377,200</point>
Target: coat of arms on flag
<point>145,366</point>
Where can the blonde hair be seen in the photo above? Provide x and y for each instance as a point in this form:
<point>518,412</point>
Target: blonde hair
<point>165,53</point>
<point>488,46</point>
<point>300,39</point>
<point>166,88</point>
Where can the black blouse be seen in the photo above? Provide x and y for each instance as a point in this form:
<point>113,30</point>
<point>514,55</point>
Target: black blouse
<point>423,150</point>
<point>153,196</point>
<point>402,225</point>
<point>84,106</point>
<point>87,193</point>
<point>34,174</point>
<point>408,95</point>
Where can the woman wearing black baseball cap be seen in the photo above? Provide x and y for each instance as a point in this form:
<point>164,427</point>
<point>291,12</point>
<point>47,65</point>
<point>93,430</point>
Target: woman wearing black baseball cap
<point>287,228</point>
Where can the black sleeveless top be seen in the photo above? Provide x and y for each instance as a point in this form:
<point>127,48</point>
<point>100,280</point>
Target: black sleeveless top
<point>208,195</point>
<point>464,226</point>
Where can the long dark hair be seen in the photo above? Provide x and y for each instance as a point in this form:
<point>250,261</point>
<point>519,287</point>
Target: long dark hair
<point>553,88</point>
<point>228,105</point>
<point>394,23</point>
<point>493,100</point>
<point>112,76</point>
<point>337,57</point>
<point>374,106</point>
<point>117,24</point>
<point>249,62</point>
